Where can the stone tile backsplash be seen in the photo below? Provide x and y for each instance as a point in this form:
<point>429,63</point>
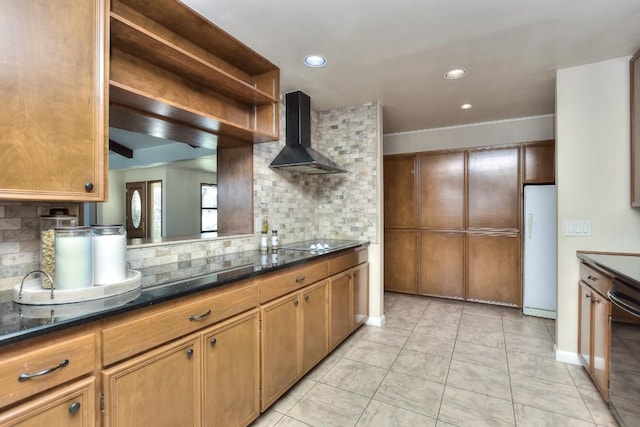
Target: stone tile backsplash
<point>341,206</point>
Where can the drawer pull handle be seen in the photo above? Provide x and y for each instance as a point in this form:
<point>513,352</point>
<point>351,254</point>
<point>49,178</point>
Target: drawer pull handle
<point>200,316</point>
<point>74,408</point>
<point>306,297</point>
<point>300,279</point>
<point>593,279</point>
<point>24,377</point>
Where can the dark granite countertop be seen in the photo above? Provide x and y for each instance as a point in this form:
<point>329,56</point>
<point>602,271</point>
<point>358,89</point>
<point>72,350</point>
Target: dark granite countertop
<point>624,267</point>
<point>159,284</point>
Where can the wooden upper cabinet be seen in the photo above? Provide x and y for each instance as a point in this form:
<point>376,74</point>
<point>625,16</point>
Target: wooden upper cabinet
<point>442,190</point>
<point>400,191</point>
<point>53,109</point>
<point>176,75</point>
<point>539,162</point>
<point>494,189</point>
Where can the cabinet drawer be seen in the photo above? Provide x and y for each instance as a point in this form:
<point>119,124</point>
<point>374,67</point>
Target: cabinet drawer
<point>281,283</point>
<point>137,332</point>
<point>54,362</point>
<point>343,262</point>
<point>595,279</point>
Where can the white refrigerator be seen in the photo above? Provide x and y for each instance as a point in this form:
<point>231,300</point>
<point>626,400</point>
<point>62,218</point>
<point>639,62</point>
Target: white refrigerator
<point>540,251</point>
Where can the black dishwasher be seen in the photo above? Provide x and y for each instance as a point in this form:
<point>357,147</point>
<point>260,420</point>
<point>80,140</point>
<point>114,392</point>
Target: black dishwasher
<point>624,380</point>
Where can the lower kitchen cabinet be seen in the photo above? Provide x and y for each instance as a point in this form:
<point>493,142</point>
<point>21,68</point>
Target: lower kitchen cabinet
<point>360,295</point>
<point>441,264</point>
<point>493,268</point>
<point>294,338</point>
<point>72,406</point>
<point>400,260</point>
<point>340,305</point>
<point>159,388</point>
<point>594,332</point>
<point>231,372</point>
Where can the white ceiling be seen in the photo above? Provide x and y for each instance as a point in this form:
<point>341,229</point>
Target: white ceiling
<point>396,51</point>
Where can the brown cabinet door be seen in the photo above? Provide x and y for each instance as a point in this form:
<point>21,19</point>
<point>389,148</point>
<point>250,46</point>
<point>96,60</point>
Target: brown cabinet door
<point>493,266</point>
<point>159,388</point>
<point>339,308</point>
<point>69,406</point>
<point>54,105</point>
<point>601,342</point>
<point>360,295</point>
<point>399,191</point>
<point>494,189</point>
<point>539,162</point>
<point>280,353</point>
<point>315,325</point>
<point>232,372</point>
<point>441,264</point>
<point>584,326</point>
<point>400,260</point>
<point>442,190</point>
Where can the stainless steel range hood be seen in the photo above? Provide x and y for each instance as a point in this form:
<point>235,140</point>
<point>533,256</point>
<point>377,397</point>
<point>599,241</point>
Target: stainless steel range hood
<point>297,155</point>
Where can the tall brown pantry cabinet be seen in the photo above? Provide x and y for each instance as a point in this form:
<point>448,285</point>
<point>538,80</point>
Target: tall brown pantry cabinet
<point>452,224</point>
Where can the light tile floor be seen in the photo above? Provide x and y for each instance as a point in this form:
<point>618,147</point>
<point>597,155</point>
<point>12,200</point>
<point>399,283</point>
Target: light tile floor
<point>444,363</point>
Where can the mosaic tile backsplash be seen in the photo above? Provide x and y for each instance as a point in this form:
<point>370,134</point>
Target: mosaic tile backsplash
<point>300,207</point>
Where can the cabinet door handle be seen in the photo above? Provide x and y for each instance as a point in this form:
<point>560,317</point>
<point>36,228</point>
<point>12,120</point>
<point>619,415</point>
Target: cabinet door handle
<point>200,316</point>
<point>24,376</point>
<point>74,408</point>
<point>88,186</point>
<point>300,279</point>
<point>213,341</point>
<point>306,297</point>
<point>593,279</point>
<point>295,301</point>
<point>190,353</point>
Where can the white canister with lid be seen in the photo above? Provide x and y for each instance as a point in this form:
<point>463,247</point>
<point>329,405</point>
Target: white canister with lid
<point>73,256</point>
<point>109,254</point>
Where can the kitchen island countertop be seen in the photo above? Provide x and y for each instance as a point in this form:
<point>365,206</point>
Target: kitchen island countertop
<point>162,283</point>
<point>623,266</point>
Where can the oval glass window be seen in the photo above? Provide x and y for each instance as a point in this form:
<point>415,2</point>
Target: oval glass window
<point>136,209</point>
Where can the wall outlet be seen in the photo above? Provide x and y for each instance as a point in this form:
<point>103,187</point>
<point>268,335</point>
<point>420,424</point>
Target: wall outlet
<point>577,227</point>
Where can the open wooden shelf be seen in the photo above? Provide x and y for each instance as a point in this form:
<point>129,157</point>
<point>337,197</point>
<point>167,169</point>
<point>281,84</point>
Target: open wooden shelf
<point>190,81</point>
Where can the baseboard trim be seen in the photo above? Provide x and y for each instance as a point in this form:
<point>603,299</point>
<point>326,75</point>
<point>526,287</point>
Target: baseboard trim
<point>376,321</point>
<point>539,312</point>
<point>567,356</point>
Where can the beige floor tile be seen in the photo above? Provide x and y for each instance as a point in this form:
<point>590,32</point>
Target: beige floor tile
<point>550,396</point>
<point>388,336</point>
<point>373,353</point>
<point>426,343</point>
<point>479,379</point>
<point>380,414</point>
<point>438,317</point>
<point>267,419</point>
<point>324,405</point>
<point>486,310</point>
<point>291,397</point>
<point>490,357</point>
<point>528,416</point>
<point>580,377</point>
<point>477,322</point>
<point>355,377</point>
<point>488,339</point>
<point>398,321</point>
<point>598,408</point>
<point>409,392</point>
<point>443,331</point>
<point>537,346</point>
<point>466,408</point>
<point>535,366</point>
<point>323,367</point>
<point>422,365</point>
<point>526,328</point>
<point>290,422</point>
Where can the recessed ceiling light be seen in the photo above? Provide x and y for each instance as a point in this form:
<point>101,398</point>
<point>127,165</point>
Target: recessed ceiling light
<point>466,106</point>
<point>315,61</point>
<point>455,74</point>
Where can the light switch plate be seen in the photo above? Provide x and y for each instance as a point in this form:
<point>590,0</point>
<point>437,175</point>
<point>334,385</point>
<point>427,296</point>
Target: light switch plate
<point>577,227</point>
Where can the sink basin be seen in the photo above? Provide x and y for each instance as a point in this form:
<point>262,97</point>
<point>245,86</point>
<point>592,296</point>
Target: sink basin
<point>34,294</point>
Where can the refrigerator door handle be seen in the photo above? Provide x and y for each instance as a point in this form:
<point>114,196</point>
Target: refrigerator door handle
<point>529,224</point>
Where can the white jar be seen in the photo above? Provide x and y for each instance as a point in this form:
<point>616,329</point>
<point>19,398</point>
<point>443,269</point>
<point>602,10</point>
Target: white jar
<point>109,254</point>
<point>73,256</point>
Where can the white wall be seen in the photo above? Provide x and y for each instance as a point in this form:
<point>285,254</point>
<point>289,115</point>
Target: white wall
<point>475,135</point>
<point>592,155</point>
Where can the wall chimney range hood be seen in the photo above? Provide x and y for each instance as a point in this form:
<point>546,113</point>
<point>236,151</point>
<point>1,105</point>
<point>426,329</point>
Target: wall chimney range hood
<point>297,155</point>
